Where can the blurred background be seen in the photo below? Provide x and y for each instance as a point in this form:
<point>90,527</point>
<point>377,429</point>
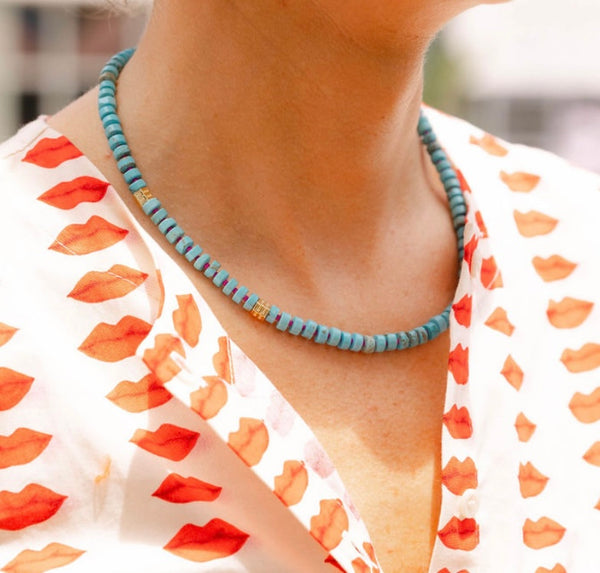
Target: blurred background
<point>527,71</point>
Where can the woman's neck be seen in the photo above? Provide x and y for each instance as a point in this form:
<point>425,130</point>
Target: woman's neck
<point>271,115</point>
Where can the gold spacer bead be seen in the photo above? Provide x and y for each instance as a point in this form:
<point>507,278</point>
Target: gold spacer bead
<point>142,195</point>
<point>261,309</point>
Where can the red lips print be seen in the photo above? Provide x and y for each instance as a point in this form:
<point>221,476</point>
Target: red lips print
<point>186,319</point>
<point>140,396</point>
<point>13,387</point>
<point>51,152</point>
<point>69,194</point>
<point>460,534</point>
<point>94,235</point>
<point>33,504</point>
<point>178,489</point>
<point>116,282</point>
<point>21,447</point>
<point>169,441</point>
<point>215,540</point>
<point>114,342</point>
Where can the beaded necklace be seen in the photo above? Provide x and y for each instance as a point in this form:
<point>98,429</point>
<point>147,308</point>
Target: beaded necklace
<point>229,286</point>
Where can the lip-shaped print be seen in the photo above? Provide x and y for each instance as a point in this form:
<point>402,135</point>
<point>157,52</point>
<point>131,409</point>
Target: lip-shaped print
<point>525,427</point>
<point>464,185</point>
<point>116,282</point>
<point>292,483</point>
<point>481,224</point>
<point>179,489</point>
<point>592,456</point>
<point>21,447</point>
<point>370,551</point>
<point>458,422</point>
<point>531,481</point>
<point>520,181</point>
<point>460,534</point>
<point>69,194</point>
<point>33,504</point>
<point>53,556</point>
<point>586,407</point>
<point>222,361</point>
<point>490,276</point>
<point>6,333</point>
<point>512,372</point>
<point>553,268</point>
<point>558,568</point>
<point>329,525</point>
<point>168,441</point>
<point>458,364</point>
<point>140,396</point>
<point>534,223</point>
<point>462,310</point>
<point>542,533</point>
<point>208,400</point>
<point>498,320</point>
<point>50,152</point>
<point>583,360</point>
<point>569,312</point>
<point>470,247</point>
<point>331,560</point>
<point>359,566</point>
<point>158,359</point>
<point>114,342</point>
<point>161,289</point>
<point>215,540</point>
<point>459,476</point>
<point>93,235</point>
<point>251,440</point>
<point>186,319</point>
<point>13,387</point>
<point>489,144</point>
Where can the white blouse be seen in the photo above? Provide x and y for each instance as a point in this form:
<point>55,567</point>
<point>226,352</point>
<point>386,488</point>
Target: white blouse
<point>135,436</point>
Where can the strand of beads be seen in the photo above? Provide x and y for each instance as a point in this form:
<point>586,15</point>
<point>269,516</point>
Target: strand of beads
<point>229,286</point>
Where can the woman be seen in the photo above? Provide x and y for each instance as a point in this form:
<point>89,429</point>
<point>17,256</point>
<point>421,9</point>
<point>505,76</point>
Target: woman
<point>282,136</point>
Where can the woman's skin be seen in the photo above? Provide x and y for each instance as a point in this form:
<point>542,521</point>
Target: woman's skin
<point>281,134</point>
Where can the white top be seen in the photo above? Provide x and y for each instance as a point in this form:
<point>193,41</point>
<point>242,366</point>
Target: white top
<point>123,402</point>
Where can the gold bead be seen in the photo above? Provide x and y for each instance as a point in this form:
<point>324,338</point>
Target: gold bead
<point>261,309</point>
<point>142,195</point>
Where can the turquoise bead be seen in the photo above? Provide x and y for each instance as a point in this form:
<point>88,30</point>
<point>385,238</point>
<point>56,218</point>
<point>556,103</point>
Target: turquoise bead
<point>202,261</point>
<point>380,342</point>
<point>126,163</point>
<point>335,335</point>
<point>184,245</point>
<point>252,300</point>
<point>322,334</point>
<point>284,321</point>
<point>159,216</point>
<point>432,328</point>
<point>413,338</point>
<point>116,140</point>
<point>193,253</point>
<point>137,184</point>
<point>220,277</point>
<point>174,234</point>
<point>211,271</point>
<point>345,341</point>
<point>391,342</point>
<point>356,342</point>
<point>369,344</point>
<point>231,284</point>
<point>422,334</point>
<point>451,182</point>
<point>132,175</point>
<point>112,119</point>
<point>121,152</point>
<point>106,110</point>
<point>242,291</point>
<point>151,206</point>
<point>113,129</point>
<point>166,225</point>
<point>296,326</point>
<point>310,327</point>
<point>272,314</point>
<point>438,156</point>
<point>403,341</point>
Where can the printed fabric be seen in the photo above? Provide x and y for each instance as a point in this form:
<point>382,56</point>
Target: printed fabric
<point>136,436</point>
